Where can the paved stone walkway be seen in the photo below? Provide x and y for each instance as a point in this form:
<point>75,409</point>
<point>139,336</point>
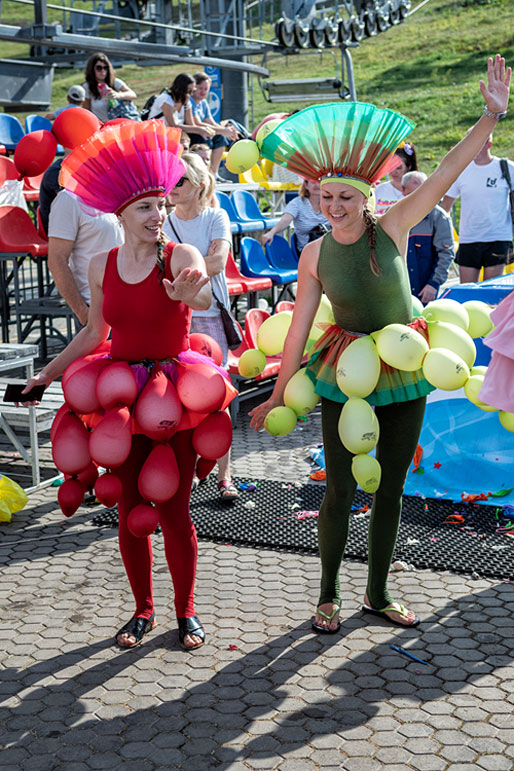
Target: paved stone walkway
<point>265,692</point>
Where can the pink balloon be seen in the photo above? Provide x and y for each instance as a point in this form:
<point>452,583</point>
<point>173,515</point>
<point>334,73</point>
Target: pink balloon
<point>201,388</point>
<point>63,410</point>
<point>70,495</point>
<point>158,408</point>
<point>116,385</point>
<point>204,467</point>
<point>111,441</point>
<point>102,349</point>
<point>206,345</point>
<point>79,388</point>
<point>159,479</point>
<point>142,520</point>
<point>213,437</point>
<point>108,489</point>
<point>70,448</point>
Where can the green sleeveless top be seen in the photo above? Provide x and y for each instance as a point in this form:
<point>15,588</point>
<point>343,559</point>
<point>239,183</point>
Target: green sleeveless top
<point>364,303</point>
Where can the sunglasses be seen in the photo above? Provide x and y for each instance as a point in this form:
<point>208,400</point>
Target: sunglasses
<point>181,181</point>
<point>101,67</point>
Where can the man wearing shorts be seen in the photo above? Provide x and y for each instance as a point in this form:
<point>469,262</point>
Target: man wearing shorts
<point>485,229</point>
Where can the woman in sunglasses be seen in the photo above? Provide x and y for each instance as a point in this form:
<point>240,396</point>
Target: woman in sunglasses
<point>102,85</point>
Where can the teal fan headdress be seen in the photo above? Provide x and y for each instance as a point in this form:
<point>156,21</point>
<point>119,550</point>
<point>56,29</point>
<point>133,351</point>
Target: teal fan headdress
<point>352,142</point>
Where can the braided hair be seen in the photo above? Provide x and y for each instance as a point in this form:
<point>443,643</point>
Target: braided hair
<point>161,243</point>
<point>370,222</point>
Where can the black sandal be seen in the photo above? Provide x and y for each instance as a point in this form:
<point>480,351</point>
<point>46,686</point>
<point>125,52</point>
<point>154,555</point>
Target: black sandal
<point>137,627</point>
<point>191,625</point>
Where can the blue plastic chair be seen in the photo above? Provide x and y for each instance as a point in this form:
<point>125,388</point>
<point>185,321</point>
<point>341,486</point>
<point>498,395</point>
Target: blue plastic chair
<point>247,208</point>
<point>280,256</point>
<point>226,205</point>
<point>11,131</point>
<point>294,247</point>
<point>37,123</point>
<point>254,263</point>
<point>244,225</point>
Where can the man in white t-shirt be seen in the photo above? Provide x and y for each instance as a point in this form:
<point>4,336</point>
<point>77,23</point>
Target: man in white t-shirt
<point>485,229</point>
<point>73,238</point>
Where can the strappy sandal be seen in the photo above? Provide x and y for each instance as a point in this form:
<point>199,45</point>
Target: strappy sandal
<point>228,491</point>
<point>329,618</point>
<point>191,625</point>
<point>137,627</point>
<point>401,610</point>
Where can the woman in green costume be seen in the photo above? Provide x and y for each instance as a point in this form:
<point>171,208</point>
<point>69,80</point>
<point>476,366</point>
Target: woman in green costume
<point>361,267</point>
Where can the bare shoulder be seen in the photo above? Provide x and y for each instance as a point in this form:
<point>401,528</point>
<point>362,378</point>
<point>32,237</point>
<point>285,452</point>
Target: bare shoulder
<point>97,266</point>
<point>310,257</point>
<point>186,256</point>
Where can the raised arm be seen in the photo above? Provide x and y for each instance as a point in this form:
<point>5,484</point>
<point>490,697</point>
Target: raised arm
<point>410,210</point>
<point>190,283</point>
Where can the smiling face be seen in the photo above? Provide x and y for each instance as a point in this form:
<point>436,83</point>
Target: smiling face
<point>143,219</point>
<point>343,206</point>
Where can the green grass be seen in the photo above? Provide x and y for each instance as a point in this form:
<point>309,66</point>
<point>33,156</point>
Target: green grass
<point>428,68</point>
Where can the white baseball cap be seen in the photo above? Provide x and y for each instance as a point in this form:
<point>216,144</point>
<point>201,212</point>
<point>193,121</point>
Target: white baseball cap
<point>77,93</point>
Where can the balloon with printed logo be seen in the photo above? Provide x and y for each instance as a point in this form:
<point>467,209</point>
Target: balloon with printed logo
<point>110,442</point>
<point>71,128</point>
<point>447,310</point>
<point>207,346</point>
<point>280,421</point>
<point>159,479</point>
<point>70,448</point>
<point>69,496</point>
<point>213,436</point>
<point>480,323</point>
<point>358,368</point>
<point>158,409</point>
<point>251,363</point>
<point>272,333</point>
<point>400,346</point>
<point>442,334</point>
<point>358,426</point>
<point>142,520</point>
<point>35,152</point>
<point>242,156</point>
<point>367,472</point>
<point>116,385</point>
<point>299,393</point>
<point>201,388</point>
<point>108,489</point>
<point>445,369</point>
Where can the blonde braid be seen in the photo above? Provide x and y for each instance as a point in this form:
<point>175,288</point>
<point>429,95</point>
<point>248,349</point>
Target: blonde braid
<point>371,228</point>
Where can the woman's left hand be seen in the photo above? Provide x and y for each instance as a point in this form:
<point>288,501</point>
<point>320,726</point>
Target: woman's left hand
<point>186,285</point>
<point>496,93</point>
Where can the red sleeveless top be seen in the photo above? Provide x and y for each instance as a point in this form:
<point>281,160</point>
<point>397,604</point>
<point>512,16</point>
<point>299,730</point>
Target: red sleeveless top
<point>145,323</point>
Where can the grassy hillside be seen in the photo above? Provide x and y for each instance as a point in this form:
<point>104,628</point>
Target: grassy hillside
<point>428,68</point>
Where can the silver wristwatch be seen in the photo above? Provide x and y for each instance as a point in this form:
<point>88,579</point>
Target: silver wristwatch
<point>496,115</point>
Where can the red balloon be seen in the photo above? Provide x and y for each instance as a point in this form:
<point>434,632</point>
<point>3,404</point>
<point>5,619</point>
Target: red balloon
<point>204,467</point>
<point>116,385</point>
<point>35,152</point>
<point>110,442</point>
<point>72,127</point>
<point>213,437</point>
<point>142,520</point>
<point>158,408</point>
<point>79,388</point>
<point>63,410</point>
<point>201,388</point>
<point>108,489</point>
<point>206,345</point>
<point>159,479</point>
<point>70,495</point>
<point>87,478</point>
<point>70,448</point>
<point>271,116</point>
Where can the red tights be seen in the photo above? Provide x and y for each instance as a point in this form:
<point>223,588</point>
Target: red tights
<point>180,544</point>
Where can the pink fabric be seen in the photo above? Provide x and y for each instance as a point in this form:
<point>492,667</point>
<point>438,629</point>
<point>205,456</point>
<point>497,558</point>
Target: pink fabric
<point>498,387</point>
<point>501,339</point>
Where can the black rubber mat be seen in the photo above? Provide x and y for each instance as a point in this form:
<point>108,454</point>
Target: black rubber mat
<point>434,534</point>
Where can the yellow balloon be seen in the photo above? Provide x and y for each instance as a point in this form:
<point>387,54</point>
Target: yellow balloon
<point>445,369</point>
<point>447,310</point>
<point>507,420</point>
<point>472,390</point>
<point>266,129</point>
<point>417,306</point>
<point>367,472</point>
<point>479,313</point>
<point>242,156</point>
<point>251,363</point>
<point>441,334</point>
<point>358,368</point>
<point>358,426</point>
<point>272,333</point>
<point>480,369</point>
<point>299,393</point>
<point>324,315</point>
<point>280,421</point>
<point>401,346</point>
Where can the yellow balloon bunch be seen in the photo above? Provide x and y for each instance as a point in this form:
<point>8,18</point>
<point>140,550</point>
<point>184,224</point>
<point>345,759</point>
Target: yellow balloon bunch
<point>359,432</point>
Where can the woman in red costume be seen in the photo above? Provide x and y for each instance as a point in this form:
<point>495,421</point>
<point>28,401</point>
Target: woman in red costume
<point>143,293</point>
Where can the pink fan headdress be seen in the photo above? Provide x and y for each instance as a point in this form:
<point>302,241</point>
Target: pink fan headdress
<point>122,163</point>
<point>350,142</point>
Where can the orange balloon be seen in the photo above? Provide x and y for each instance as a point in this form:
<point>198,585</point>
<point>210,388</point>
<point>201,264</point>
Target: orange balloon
<point>206,345</point>
<point>79,388</point>
<point>116,384</point>
<point>108,489</point>
<point>213,437</point>
<point>111,441</point>
<point>201,388</point>
<point>70,448</point>
<point>159,479</point>
<point>142,520</point>
<point>71,128</point>
<point>35,152</point>
<point>70,495</point>
<point>158,408</point>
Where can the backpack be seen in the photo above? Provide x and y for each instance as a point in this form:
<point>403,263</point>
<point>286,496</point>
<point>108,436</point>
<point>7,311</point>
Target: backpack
<point>147,108</point>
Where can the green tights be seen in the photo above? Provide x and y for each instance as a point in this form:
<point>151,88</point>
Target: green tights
<point>400,426</point>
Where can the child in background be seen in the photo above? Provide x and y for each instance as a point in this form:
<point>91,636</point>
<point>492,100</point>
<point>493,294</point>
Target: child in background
<point>75,97</point>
